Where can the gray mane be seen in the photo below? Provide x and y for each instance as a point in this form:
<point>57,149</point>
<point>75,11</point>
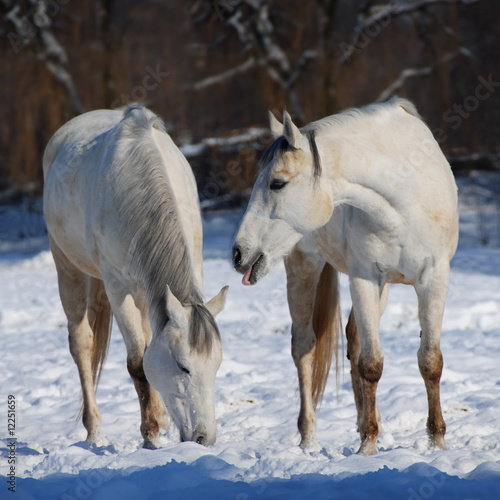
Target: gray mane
<point>158,252</point>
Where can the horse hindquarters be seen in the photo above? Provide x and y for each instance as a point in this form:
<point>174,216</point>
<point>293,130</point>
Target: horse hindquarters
<point>313,301</point>
<point>89,326</point>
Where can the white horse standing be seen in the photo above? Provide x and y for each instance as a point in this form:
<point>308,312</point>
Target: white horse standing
<point>122,212</point>
<point>370,193</point>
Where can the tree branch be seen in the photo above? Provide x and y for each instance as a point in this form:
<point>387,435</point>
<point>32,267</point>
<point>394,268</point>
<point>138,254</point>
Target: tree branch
<point>226,75</point>
<point>414,72</point>
<point>382,14</point>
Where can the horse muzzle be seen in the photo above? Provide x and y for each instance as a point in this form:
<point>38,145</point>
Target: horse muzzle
<point>200,435</point>
<point>252,270</point>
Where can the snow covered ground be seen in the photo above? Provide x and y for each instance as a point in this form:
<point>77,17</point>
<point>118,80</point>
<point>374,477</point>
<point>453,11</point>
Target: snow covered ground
<point>256,455</point>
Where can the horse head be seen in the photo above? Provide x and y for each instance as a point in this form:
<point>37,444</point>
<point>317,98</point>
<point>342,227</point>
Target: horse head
<point>181,364</point>
<point>287,201</point>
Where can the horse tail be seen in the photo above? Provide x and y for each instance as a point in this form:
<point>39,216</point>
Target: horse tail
<point>327,325</point>
<point>100,319</point>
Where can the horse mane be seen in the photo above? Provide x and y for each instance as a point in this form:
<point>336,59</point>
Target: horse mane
<point>352,115</point>
<point>158,252</point>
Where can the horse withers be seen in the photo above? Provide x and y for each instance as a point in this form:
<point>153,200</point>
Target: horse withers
<point>123,217</point>
<point>369,193</point>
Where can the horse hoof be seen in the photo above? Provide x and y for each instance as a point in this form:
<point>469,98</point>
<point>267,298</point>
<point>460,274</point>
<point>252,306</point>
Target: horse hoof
<point>438,442</point>
<point>310,444</point>
<point>96,439</point>
<point>368,448</point>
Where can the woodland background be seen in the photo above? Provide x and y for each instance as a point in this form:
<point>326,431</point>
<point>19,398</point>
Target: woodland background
<point>212,68</point>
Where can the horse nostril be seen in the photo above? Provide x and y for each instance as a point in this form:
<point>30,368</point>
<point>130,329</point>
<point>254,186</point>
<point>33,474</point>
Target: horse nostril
<point>236,256</point>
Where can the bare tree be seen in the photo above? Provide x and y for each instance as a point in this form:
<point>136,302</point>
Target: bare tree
<point>253,24</point>
<point>373,18</point>
<point>252,20</point>
<point>30,26</point>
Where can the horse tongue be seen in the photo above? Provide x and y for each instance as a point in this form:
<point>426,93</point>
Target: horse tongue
<point>246,278</point>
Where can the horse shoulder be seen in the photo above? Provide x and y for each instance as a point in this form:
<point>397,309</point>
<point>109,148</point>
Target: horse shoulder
<point>68,172</point>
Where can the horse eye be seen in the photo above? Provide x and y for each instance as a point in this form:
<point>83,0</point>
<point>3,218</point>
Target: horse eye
<point>277,184</point>
<point>183,369</point>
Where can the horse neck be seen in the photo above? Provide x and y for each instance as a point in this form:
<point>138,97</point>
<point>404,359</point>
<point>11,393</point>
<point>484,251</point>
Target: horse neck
<point>357,177</point>
<point>161,253</point>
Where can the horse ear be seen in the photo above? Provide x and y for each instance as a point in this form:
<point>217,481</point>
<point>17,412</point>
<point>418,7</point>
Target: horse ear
<point>175,309</point>
<point>275,126</point>
<point>290,131</point>
<point>217,303</point>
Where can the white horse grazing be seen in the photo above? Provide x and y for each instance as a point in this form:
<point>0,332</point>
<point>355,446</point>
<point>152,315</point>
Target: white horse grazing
<point>369,192</point>
<point>122,212</point>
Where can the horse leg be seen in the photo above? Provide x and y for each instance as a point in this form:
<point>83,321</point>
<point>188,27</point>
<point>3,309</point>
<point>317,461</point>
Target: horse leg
<point>131,317</point>
<point>73,290</point>
<point>353,350</point>
<point>366,299</point>
<point>302,276</point>
<point>431,300</point>
<point>313,303</point>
